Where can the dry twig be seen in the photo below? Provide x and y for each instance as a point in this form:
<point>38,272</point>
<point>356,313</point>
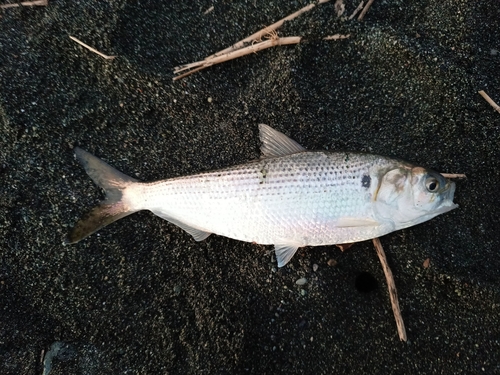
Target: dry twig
<point>393,293</point>
<point>92,49</point>
<point>242,47</point>
<point>254,48</point>
<point>266,30</point>
<point>196,66</point>
<point>365,9</point>
<point>209,10</point>
<point>356,11</point>
<point>41,3</point>
<point>453,175</point>
<point>336,37</point>
<point>489,100</point>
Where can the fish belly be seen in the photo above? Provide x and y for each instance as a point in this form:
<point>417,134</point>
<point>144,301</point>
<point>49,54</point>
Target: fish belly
<point>299,198</point>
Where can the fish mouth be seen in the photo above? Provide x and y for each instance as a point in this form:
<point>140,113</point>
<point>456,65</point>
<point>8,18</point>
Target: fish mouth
<point>447,198</point>
<point>450,193</point>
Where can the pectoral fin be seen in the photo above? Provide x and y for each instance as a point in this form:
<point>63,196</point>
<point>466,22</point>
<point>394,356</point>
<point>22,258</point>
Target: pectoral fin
<point>348,222</point>
<point>284,253</point>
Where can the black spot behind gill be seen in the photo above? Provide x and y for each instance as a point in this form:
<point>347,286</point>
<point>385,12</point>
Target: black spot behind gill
<point>366,181</point>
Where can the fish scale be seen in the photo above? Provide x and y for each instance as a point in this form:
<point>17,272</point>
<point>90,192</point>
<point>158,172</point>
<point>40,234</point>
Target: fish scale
<point>290,197</point>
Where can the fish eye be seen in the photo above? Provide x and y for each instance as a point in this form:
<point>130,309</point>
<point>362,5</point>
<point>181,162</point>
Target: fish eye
<point>432,184</point>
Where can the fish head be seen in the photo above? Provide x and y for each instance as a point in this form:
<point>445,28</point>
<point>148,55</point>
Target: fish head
<point>408,195</point>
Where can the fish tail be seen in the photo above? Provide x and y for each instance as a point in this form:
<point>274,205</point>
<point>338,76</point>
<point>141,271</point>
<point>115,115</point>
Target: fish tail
<point>114,207</point>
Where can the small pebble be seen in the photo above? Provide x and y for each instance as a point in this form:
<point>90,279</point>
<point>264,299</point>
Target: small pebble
<point>426,263</point>
<point>332,262</point>
<point>315,267</point>
<point>302,281</point>
<point>209,99</point>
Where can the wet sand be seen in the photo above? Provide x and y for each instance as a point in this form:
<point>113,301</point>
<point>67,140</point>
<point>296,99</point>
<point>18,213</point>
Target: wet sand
<point>141,296</point>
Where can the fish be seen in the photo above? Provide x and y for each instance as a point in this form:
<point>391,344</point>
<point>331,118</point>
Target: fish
<point>290,197</point>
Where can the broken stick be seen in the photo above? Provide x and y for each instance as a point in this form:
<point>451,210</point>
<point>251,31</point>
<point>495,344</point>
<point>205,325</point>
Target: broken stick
<point>453,175</point>
<point>41,3</point>
<point>241,48</point>
<point>265,31</point>
<point>91,49</point>
<point>234,54</point>
<point>209,61</point>
<point>489,100</point>
<point>336,37</point>
<point>360,6</point>
<point>393,293</point>
<point>365,9</point>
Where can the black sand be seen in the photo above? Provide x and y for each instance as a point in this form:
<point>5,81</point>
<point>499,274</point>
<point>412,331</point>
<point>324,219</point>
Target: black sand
<point>142,297</point>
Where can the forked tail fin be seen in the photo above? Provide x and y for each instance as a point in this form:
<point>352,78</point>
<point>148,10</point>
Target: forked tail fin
<point>113,207</point>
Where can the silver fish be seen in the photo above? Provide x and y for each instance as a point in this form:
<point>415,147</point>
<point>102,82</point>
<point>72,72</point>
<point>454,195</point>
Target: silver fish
<point>288,198</point>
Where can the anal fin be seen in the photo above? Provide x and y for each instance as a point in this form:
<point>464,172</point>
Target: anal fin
<point>198,234</point>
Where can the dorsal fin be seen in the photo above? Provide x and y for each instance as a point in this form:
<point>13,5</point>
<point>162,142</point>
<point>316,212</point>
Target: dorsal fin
<point>275,143</point>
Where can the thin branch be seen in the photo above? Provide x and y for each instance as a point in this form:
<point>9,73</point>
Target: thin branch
<point>489,100</point>
<point>242,48</point>
<point>266,30</point>
<point>209,61</point>
<point>189,73</point>
<point>41,3</point>
<point>365,9</point>
<point>234,55</point>
<point>453,175</point>
<point>199,65</point>
<point>92,49</point>
<point>393,293</point>
<point>356,11</point>
<point>336,37</point>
